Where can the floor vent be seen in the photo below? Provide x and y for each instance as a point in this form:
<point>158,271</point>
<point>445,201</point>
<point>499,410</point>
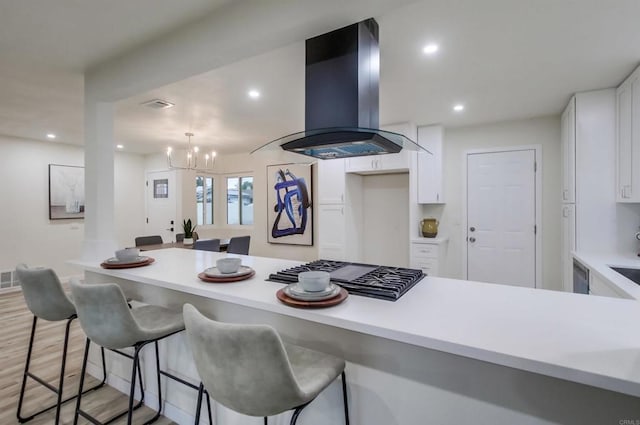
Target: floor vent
<point>8,278</point>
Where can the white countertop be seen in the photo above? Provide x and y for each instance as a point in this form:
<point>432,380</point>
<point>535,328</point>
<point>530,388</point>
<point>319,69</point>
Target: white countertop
<point>580,338</point>
<point>600,264</point>
<point>437,240</point>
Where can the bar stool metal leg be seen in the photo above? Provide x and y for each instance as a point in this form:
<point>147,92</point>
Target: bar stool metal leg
<point>344,398</point>
<point>59,390</point>
<point>136,369</point>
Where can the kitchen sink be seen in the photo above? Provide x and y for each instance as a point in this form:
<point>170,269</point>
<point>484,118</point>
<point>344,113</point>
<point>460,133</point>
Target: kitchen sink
<point>631,274</point>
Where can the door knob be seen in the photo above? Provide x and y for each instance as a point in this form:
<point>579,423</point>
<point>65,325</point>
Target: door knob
<point>472,239</point>
<point>171,229</point>
<point>473,229</point>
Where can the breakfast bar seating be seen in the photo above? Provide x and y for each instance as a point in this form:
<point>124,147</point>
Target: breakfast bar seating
<point>107,320</point>
<point>46,299</point>
<point>250,370</point>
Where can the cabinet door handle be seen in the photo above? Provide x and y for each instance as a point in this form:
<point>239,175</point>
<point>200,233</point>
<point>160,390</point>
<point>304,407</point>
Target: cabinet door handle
<point>565,195</point>
<point>342,198</point>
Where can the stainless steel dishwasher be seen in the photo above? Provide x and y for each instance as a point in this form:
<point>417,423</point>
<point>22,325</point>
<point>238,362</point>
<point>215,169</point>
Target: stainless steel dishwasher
<point>580,278</point>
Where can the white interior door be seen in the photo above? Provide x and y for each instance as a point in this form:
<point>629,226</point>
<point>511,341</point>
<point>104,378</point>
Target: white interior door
<point>162,205</point>
<point>501,217</point>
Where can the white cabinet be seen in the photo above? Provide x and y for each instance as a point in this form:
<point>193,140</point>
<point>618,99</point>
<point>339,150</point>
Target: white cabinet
<point>388,163</point>
<point>430,165</point>
<point>331,181</point>
<point>338,212</point>
<point>332,243</point>
<point>568,243</point>
<point>568,152</point>
<point>628,139</point>
<point>428,255</point>
<point>379,164</point>
<point>589,211</point>
<point>601,287</point>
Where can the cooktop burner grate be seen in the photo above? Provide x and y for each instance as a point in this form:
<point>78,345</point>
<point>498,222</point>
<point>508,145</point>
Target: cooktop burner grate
<point>383,282</point>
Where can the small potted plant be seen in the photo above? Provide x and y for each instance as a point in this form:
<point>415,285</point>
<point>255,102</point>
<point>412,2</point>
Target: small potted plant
<point>188,231</point>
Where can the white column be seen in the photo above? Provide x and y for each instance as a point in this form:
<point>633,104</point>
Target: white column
<point>99,237</point>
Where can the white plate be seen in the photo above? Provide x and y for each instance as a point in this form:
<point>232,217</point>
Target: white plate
<point>214,272</point>
<point>296,288</point>
<point>311,296</point>
<point>114,260</point>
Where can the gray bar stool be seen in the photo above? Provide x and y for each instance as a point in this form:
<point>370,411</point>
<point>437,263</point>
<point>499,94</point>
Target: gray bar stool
<point>108,321</point>
<point>248,368</point>
<point>46,299</point>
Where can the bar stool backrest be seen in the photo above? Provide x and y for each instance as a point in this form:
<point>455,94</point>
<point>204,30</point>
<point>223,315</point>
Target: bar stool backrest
<point>244,367</point>
<point>43,293</point>
<point>104,315</point>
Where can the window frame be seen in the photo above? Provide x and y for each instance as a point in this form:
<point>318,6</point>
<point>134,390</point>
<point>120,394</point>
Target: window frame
<point>240,177</point>
<point>205,177</point>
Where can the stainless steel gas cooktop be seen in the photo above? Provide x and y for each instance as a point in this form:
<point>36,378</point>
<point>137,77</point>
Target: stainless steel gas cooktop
<point>388,283</point>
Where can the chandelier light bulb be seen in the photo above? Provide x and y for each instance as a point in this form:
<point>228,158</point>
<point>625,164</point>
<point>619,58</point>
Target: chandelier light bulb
<point>190,158</point>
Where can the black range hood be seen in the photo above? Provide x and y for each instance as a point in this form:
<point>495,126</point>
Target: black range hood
<point>341,98</point>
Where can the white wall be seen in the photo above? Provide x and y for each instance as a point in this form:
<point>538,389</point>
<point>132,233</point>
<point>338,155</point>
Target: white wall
<point>27,233</point>
<point>242,165</point>
<point>543,131</point>
<point>385,235</point>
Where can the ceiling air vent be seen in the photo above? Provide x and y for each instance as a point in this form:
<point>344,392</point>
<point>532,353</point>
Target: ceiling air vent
<point>158,104</point>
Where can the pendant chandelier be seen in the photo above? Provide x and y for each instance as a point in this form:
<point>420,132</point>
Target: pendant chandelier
<point>191,162</point>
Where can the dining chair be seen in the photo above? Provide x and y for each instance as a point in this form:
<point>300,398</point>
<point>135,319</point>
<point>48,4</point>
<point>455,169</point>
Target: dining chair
<point>46,300</point>
<point>207,245</point>
<point>148,240</point>
<point>239,245</point>
<point>248,368</point>
<point>179,237</point>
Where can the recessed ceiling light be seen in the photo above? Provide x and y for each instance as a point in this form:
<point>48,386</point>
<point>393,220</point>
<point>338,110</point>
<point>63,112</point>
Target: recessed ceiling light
<point>458,108</point>
<point>254,94</point>
<point>430,49</point>
<point>51,136</point>
<point>120,146</point>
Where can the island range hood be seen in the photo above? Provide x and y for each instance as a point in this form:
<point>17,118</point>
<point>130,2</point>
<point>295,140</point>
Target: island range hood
<point>341,98</point>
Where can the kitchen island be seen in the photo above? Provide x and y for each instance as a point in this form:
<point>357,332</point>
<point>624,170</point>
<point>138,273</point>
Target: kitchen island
<point>447,352</point>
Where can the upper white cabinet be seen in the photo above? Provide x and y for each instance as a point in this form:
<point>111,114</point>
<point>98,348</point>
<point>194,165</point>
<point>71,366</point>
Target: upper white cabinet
<point>331,181</point>
<point>430,166</point>
<point>628,139</point>
<point>388,163</point>
<point>372,164</point>
<point>568,152</point>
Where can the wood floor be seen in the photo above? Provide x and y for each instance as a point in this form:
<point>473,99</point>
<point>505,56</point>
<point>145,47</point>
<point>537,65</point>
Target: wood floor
<point>15,326</point>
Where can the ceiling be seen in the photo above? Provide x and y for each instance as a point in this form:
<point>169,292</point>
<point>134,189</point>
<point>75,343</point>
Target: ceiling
<point>504,59</point>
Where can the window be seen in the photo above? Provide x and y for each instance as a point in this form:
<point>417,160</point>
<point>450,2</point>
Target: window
<point>204,200</point>
<point>240,200</point>
<point>161,188</point>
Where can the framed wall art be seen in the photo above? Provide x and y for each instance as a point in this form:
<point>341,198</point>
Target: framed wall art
<point>66,192</point>
<point>289,209</point>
